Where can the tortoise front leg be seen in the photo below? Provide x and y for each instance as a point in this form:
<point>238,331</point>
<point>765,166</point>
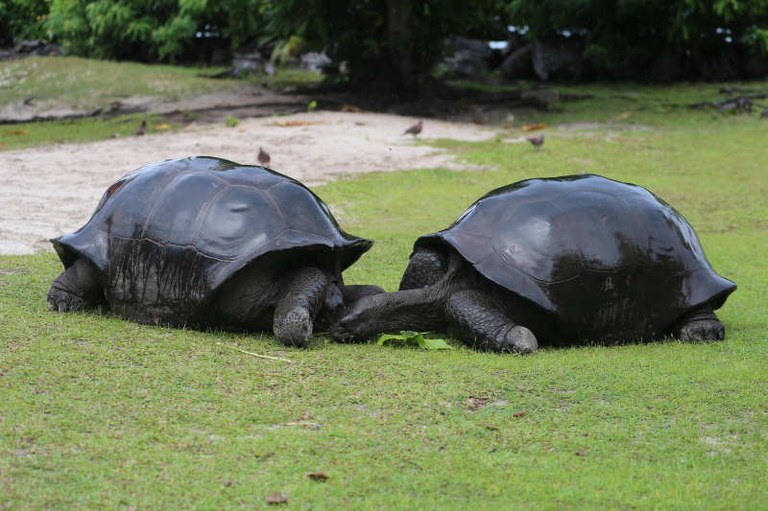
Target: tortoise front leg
<point>700,325</point>
<point>78,288</point>
<point>302,295</point>
<point>477,322</point>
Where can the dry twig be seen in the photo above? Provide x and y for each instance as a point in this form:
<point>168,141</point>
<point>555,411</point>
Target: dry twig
<point>268,357</point>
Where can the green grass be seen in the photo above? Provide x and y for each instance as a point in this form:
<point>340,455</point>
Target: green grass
<point>101,413</point>
<point>32,134</point>
<point>83,85</point>
<point>88,83</point>
<point>287,78</point>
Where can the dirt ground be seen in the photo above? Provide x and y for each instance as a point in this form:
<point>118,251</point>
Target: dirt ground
<point>49,191</point>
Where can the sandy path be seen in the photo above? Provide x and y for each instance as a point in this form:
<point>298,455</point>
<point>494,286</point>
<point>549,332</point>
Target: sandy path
<point>46,192</point>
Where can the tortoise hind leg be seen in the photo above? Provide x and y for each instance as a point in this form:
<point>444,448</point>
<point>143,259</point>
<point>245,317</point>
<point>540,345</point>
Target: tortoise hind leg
<point>304,292</point>
<point>481,325</point>
<point>77,288</point>
<point>699,325</point>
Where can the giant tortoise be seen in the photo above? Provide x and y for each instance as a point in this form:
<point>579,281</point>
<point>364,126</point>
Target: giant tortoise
<point>207,242</point>
<point>556,261</point>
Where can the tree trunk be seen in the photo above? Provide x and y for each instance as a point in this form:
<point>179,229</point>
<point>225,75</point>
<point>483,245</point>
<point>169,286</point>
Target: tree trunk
<point>402,44</point>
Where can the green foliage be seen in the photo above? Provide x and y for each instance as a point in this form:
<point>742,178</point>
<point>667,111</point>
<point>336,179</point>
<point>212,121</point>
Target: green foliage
<point>170,37</point>
<point>287,50</point>
<point>67,24</point>
<point>115,29</point>
<point>394,41</point>
<point>633,34</point>
<point>231,121</point>
<point>22,19</point>
<point>149,30</point>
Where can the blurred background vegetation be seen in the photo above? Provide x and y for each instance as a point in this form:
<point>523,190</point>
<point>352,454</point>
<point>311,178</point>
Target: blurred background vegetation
<point>396,44</point>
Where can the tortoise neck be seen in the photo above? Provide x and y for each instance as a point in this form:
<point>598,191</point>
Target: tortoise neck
<point>412,309</point>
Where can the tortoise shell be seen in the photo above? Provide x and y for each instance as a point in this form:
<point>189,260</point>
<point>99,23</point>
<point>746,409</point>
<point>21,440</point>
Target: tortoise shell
<point>604,258</point>
<point>169,234</point>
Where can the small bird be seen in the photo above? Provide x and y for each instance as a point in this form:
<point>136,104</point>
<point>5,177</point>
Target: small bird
<point>415,129</point>
<point>263,158</point>
<point>142,129</point>
<point>536,141</point>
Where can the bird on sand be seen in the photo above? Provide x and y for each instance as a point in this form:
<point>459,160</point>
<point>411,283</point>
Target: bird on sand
<point>536,141</point>
<point>142,129</point>
<point>415,129</point>
<point>263,157</point>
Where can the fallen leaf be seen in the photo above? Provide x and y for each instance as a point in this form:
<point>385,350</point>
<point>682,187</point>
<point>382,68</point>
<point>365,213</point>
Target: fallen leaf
<point>521,413</point>
<point>277,498</point>
<point>534,126</point>
<point>15,132</point>
<point>318,476</point>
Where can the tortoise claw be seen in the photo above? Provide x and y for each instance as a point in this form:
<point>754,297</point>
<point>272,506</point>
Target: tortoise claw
<point>60,300</point>
<point>702,330</point>
<point>521,340</point>
<point>294,328</point>
<point>700,325</point>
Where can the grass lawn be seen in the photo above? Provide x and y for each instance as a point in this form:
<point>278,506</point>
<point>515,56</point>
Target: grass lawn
<point>85,85</point>
<point>101,413</point>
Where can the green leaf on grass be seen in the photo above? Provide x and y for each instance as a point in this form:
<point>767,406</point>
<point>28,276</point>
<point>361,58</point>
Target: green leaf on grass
<point>403,339</point>
<point>409,339</point>
<point>434,344</point>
